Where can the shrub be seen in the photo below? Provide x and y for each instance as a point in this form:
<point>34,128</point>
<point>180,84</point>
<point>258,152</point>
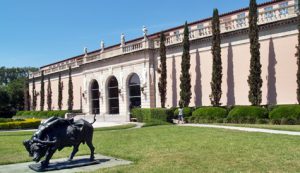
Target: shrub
<point>285,114</point>
<point>21,124</point>
<point>171,113</point>
<point>208,115</point>
<point>187,112</point>
<point>43,114</point>
<point>148,115</point>
<point>247,114</point>
<point>4,120</point>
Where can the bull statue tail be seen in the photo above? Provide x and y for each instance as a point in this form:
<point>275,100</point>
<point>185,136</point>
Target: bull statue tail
<point>94,119</point>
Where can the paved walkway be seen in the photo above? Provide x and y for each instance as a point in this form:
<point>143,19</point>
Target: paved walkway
<point>244,129</point>
<point>104,162</point>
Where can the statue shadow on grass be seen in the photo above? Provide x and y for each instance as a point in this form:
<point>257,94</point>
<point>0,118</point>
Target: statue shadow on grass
<point>67,164</point>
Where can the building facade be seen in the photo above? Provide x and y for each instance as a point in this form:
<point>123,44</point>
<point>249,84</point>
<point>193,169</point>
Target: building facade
<point>112,80</point>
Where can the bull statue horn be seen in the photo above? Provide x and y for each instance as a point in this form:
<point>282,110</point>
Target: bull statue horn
<point>44,142</point>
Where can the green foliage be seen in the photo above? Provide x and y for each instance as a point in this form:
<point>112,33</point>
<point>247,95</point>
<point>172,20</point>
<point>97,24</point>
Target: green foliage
<point>254,79</point>
<point>170,113</point>
<point>15,90</point>
<point>187,112</point>
<point>162,84</point>
<point>8,75</point>
<point>20,124</point>
<point>285,114</point>
<point>70,91</point>
<point>4,98</point>
<point>209,114</point>
<point>185,77</point>
<point>216,80</point>
<point>247,114</point>
<point>151,115</point>
<point>60,90</point>
<point>49,95</point>
<point>42,92</point>
<point>5,107</point>
<point>5,120</point>
<point>43,114</point>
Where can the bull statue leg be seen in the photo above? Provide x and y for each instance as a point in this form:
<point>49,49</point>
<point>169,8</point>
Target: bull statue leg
<point>75,150</point>
<point>49,155</point>
<point>92,148</point>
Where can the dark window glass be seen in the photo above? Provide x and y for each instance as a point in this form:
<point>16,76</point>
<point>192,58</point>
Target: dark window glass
<point>95,98</point>
<point>134,91</point>
<point>113,96</point>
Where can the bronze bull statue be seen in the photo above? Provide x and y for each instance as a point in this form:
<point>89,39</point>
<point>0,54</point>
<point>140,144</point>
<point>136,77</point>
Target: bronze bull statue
<point>55,134</point>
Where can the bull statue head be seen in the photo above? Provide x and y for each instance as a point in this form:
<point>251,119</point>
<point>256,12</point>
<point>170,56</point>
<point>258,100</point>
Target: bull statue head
<point>37,148</point>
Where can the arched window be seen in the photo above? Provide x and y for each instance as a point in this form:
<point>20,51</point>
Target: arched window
<point>95,97</point>
<point>113,96</point>
<point>134,91</point>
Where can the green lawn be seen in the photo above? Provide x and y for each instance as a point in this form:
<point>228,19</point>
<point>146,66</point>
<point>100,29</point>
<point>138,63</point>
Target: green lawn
<point>295,128</point>
<point>180,149</point>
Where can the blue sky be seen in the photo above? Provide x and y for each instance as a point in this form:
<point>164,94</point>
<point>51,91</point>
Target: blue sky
<point>39,32</point>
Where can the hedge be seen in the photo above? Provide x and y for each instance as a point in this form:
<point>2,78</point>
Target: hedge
<point>187,112</point>
<point>247,114</point>
<point>24,124</point>
<point>5,120</point>
<point>285,114</point>
<point>43,114</point>
<point>208,115</point>
<point>151,115</point>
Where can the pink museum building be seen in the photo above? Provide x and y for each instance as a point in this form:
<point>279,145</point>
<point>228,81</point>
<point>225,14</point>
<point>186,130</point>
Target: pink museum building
<point>111,80</point>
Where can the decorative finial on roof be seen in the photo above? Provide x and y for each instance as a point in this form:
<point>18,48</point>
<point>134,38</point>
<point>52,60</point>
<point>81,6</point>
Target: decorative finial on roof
<point>85,50</point>
<point>122,40</point>
<point>145,32</point>
<point>102,45</point>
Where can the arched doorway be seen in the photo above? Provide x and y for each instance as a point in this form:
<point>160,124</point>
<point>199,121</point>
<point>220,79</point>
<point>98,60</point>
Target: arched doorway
<point>134,87</point>
<point>113,96</point>
<point>95,97</point>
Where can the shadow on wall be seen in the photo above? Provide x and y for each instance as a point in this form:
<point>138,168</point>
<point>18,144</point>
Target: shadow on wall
<point>198,84</point>
<point>230,77</point>
<point>271,78</point>
<point>174,83</point>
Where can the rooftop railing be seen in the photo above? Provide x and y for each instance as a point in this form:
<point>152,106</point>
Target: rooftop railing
<point>268,14</point>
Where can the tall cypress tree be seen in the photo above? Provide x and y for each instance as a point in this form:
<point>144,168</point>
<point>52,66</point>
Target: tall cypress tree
<point>298,58</point>
<point>26,95</point>
<point>254,79</point>
<point>42,93</point>
<point>70,91</point>
<point>49,95</point>
<point>34,95</point>
<point>60,90</point>
<point>216,80</point>
<point>185,77</point>
<point>162,84</point>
